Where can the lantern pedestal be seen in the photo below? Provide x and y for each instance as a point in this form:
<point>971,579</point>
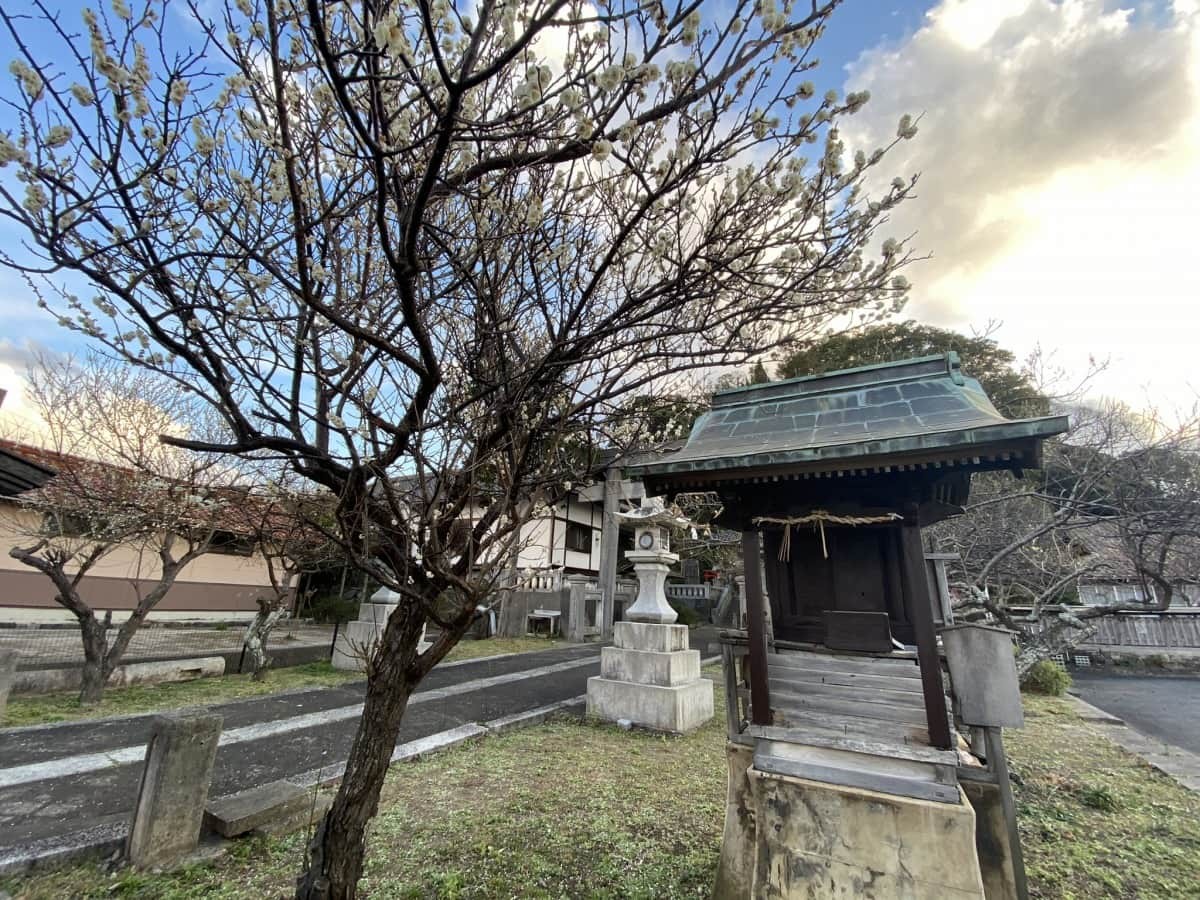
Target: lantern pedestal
<point>357,640</point>
<point>650,677</point>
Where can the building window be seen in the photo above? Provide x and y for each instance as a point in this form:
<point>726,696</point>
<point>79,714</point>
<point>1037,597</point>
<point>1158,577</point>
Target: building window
<point>579,537</point>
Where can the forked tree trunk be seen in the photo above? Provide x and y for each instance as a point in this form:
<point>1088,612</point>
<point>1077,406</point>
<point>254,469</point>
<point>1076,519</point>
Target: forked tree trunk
<point>257,633</point>
<point>337,848</point>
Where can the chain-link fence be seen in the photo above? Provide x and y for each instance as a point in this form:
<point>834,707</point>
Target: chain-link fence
<point>42,647</point>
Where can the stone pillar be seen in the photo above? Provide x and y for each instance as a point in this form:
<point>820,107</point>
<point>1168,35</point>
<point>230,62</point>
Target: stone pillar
<point>651,678</point>
<point>357,640</point>
<point>610,537</point>
<point>8,673</point>
<point>576,629</point>
<point>174,788</point>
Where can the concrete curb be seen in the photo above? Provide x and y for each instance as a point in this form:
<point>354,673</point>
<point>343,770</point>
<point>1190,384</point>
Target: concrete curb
<point>102,840</point>
<point>1176,763</point>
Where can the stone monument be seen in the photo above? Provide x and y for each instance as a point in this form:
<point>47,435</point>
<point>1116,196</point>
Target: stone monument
<point>357,640</point>
<point>651,678</point>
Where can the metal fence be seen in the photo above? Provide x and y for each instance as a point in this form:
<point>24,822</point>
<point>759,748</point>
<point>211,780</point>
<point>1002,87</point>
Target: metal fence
<point>42,647</point>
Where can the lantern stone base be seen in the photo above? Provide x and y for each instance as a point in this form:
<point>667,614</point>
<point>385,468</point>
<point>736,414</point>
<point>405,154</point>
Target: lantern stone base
<point>652,679</point>
<point>357,640</point>
<point>790,837</point>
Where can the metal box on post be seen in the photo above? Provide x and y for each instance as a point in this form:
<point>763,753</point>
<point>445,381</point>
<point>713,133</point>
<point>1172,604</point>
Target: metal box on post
<point>983,671</point>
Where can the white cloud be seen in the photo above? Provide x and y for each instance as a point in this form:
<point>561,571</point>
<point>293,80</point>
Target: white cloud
<point>1060,188</point>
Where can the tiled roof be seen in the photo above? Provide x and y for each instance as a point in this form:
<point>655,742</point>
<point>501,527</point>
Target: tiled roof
<point>19,471</point>
<point>866,415</point>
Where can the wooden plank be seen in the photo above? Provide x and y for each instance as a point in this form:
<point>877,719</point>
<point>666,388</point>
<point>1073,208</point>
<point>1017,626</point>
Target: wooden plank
<point>858,665</point>
<point>906,699</point>
<point>868,729</point>
<point>733,717</point>
<point>850,679</point>
<point>881,712</point>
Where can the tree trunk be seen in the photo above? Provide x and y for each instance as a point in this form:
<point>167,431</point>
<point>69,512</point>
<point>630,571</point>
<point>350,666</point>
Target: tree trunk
<point>256,639</point>
<point>337,847</point>
<point>95,652</point>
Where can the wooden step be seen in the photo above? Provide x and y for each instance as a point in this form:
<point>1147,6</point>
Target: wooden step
<point>821,737</point>
<point>866,693</point>
<point>921,785</point>
<point>838,706</point>
<point>901,668</point>
<point>850,679</point>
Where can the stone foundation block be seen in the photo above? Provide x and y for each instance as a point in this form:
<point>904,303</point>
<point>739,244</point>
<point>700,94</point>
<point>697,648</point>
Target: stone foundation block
<point>735,873</point>
<point>355,643</point>
<point>648,636</point>
<point>676,708</point>
<point>174,788</point>
<point>649,666</point>
<point>992,841</point>
<point>816,841</point>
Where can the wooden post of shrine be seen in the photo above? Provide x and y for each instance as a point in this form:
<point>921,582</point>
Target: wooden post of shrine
<point>756,627</point>
<point>915,585</point>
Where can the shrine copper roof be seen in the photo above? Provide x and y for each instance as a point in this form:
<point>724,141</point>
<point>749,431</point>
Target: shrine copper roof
<point>852,419</point>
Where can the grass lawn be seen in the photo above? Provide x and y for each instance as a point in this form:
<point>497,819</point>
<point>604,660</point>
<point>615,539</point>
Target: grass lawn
<point>38,709</point>
<point>1095,820</point>
<point>569,809</point>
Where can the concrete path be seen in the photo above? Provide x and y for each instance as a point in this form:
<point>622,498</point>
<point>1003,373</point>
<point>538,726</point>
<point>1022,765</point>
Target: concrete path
<point>1164,706</point>
<point>73,785</point>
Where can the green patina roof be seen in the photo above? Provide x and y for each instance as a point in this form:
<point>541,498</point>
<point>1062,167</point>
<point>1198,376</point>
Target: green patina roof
<point>866,415</point>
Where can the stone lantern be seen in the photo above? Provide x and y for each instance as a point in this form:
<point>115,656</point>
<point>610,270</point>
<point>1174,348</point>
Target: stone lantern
<point>651,678</point>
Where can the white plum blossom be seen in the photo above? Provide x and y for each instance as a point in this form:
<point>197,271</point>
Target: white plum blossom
<point>691,27</point>
<point>10,152</point>
<point>58,135</point>
<point>602,150</point>
<point>35,198</point>
<point>31,81</point>
<point>610,79</point>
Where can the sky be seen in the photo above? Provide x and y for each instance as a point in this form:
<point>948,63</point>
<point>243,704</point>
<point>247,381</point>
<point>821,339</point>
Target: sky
<point>1059,193</point>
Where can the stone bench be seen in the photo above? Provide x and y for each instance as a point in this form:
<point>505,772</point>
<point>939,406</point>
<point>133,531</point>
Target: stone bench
<point>275,805</point>
<point>552,618</point>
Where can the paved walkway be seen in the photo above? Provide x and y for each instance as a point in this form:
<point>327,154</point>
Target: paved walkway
<point>73,785</point>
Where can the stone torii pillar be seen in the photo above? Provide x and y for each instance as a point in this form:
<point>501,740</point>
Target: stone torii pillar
<point>651,678</point>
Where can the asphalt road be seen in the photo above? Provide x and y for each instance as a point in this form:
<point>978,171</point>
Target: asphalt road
<point>1164,706</point>
<point>59,780</point>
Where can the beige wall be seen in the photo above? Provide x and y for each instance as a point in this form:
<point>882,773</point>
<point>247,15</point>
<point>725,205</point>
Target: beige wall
<point>214,581</point>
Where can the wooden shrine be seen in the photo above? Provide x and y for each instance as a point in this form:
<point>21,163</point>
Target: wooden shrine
<point>838,675</point>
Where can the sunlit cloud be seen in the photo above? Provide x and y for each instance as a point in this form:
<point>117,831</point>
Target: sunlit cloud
<point>1060,190</point>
